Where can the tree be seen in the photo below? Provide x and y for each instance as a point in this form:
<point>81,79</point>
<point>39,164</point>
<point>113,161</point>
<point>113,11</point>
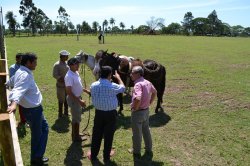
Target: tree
<point>154,23</point>
<point>237,30</point>
<point>95,25</point>
<point>11,21</point>
<point>29,12</point>
<point>71,27</point>
<point>142,29</point>
<point>226,29</point>
<point>173,28</point>
<point>122,25</point>
<point>104,25</point>
<point>112,22</point>
<point>132,28</point>
<point>64,19</point>
<point>214,24</point>
<point>200,26</point>
<point>85,27</point>
<point>247,31</point>
<point>187,23</point>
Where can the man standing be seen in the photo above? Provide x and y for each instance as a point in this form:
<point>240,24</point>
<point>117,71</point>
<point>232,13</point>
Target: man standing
<point>26,93</point>
<point>143,95</point>
<point>74,90</point>
<point>12,70</point>
<point>59,71</point>
<point>103,93</point>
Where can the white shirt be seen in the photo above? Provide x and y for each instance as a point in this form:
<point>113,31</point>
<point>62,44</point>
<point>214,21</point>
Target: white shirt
<point>73,80</point>
<point>25,91</point>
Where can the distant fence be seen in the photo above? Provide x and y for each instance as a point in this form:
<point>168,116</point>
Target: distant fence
<point>9,145</point>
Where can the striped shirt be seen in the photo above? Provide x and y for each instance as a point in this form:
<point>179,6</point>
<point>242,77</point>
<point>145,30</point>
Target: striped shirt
<point>103,93</point>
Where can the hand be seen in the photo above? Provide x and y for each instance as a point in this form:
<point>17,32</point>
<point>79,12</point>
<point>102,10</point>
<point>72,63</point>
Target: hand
<point>82,103</point>
<point>61,79</point>
<point>12,107</point>
<point>86,91</point>
<point>117,76</point>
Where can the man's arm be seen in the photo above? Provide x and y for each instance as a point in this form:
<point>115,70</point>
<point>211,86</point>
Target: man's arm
<point>117,76</point>
<point>12,107</point>
<point>137,103</point>
<point>153,95</point>
<point>80,101</point>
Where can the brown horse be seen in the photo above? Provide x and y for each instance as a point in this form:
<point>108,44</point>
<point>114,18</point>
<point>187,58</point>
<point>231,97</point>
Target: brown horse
<point>153,71</point>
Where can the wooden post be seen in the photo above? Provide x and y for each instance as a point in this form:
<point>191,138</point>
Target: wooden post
<point>9,145</point>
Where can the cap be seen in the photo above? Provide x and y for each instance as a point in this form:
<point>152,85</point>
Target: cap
<point>64,53</point>
<point>73,61</point>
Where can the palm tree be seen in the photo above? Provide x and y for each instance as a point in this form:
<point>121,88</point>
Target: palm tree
<point>95,26</point>
<point>11,20</point>
<point>112,22</point>
<point>132,28</point>
<point>122,25</point>
<point>104,25</point>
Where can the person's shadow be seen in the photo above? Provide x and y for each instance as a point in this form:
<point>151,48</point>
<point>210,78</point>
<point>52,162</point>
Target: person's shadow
<point>123,122</point>
<point>21,131</point>
<point>74,155</point>
<point>61,125</point>
<point>146,160</point>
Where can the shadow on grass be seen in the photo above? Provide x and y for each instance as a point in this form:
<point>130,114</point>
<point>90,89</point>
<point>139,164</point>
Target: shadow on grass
<point>146,160</point>
<point>61,125</point>
<point>156,120</point>
<point>159,119</point>
<point>21,131</point>
<point>123,121</point>
<point>74,155</point>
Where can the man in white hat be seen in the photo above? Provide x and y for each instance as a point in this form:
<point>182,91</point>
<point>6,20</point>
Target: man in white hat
<point>59,71</point>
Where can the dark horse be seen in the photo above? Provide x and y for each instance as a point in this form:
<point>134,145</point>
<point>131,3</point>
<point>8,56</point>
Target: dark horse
<point>153,71</point>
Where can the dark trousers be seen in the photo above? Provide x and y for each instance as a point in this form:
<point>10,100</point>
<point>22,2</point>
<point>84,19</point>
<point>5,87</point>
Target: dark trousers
<point>104,126</point>
<point>39,130</point>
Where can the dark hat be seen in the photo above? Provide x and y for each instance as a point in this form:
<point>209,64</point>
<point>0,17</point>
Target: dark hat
<point>73,61</point>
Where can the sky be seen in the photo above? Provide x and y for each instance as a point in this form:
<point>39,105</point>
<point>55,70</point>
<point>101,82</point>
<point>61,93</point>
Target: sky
<point>138,12</point>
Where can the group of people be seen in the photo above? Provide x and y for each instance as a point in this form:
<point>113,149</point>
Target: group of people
<point>69,88</point>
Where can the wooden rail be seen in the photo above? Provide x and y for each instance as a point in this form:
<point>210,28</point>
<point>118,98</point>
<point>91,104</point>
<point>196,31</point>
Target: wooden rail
<point>9,144</point>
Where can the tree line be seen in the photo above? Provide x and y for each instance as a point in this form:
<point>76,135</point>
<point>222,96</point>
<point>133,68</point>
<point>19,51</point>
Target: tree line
<point>35,21</point>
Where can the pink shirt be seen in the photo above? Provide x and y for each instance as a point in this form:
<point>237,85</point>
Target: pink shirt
<point>143,90</point>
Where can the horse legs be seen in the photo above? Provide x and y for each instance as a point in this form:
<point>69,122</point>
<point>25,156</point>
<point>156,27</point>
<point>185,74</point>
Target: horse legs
<point>120,102</point>
<point>159,101</point>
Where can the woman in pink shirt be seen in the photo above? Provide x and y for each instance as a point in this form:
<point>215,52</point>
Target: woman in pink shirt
<point>143,95</point>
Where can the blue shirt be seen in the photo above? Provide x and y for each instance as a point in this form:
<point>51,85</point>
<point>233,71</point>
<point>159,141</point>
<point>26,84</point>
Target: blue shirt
<point>103,93</point>
<point>25,91</point>
<point>13,68</point>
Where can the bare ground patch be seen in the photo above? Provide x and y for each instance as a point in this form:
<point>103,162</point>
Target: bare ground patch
<point>240,66</point>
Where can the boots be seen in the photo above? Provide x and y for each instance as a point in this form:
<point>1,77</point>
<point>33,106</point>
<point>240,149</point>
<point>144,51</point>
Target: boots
<point>66,112</point>
<point>60,109</point>
<point>76,137</point>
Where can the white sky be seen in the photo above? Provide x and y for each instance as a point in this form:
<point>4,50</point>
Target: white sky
<point>137,12</point>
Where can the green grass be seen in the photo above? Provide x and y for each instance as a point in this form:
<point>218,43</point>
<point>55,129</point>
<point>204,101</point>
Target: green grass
<point>206,103</point>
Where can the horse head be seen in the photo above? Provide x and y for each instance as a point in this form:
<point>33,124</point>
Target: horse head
<point>103,58</point>
<point>85,58</point>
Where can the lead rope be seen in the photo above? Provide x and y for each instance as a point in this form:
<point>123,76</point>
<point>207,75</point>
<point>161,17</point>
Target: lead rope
<point>85,86</point>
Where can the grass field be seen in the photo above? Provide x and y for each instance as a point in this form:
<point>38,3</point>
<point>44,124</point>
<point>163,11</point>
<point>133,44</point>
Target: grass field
<point>206,118</point>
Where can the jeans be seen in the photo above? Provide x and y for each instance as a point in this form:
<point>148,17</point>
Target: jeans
<point>39,130</point>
